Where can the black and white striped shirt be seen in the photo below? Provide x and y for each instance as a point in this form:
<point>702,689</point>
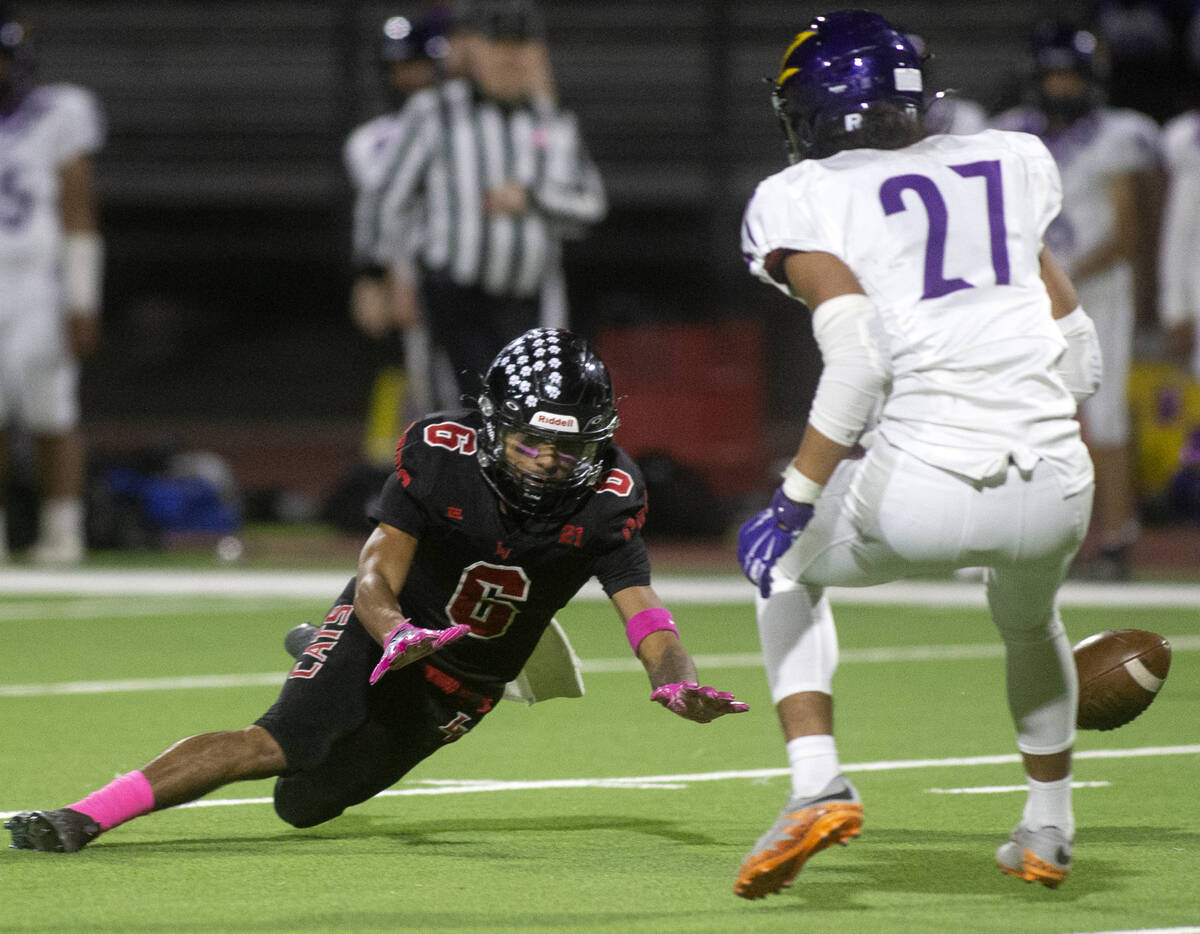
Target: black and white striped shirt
<point>459,145</point>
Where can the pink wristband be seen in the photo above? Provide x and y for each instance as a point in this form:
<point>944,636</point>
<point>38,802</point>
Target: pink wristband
<point>642,624</point>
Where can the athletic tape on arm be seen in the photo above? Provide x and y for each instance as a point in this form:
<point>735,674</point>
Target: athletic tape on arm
<point>850,335</point>
<point>1081,365</point>
<point>799,488</point>
<point>82,272</point>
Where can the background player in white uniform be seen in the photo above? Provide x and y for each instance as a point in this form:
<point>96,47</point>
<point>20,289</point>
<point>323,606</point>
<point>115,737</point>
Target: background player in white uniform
<point>1100,153</point>
<point>936,306</point>
<point>1178,270</point>
<point>51,259</point>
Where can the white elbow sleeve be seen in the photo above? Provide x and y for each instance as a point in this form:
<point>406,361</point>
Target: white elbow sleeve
<point>1080,366</point>
<point>853,347</point>
<point>82,272</point>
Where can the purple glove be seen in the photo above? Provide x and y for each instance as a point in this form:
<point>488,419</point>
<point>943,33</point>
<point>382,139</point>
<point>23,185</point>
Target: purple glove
<point>693,702</point>
<point>406,644</point>
<point>767,535</point>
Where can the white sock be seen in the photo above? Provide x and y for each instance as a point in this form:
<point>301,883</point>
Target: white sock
<point>814,762</point>
<point>1049,805</point>
<point>62,520</point>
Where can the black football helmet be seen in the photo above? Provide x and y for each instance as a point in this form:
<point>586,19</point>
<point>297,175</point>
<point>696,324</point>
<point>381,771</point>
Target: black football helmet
<point>16,53</point>
<point>405,40</point>
<point>847,73</point>
<point>1058,45</point>
<point>547,398</point>
<point>410,55</point>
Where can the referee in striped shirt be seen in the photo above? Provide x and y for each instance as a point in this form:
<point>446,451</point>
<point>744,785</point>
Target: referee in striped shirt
<point>498,176</point>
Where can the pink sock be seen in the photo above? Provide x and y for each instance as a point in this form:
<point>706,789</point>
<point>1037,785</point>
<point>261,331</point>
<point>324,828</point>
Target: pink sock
<point>120,800</point>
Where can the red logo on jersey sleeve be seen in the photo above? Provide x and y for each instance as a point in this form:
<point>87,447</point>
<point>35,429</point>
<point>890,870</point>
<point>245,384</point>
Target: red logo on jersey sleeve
<point>451,435</point>
<point>617,482</point>
<point>400,471</point>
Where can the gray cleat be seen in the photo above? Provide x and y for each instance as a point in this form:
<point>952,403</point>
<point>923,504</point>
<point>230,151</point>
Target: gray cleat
<point>61,831</point>
<point>1042,855</point>
<point>299,638</point>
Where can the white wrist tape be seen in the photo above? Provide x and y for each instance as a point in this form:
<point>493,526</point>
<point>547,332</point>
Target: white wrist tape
<point>1081,365</point>
<point>850,335</point>
<point>798,488</point>
<point>82,272</point>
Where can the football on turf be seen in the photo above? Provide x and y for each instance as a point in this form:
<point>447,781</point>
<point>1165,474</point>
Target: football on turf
<point>1120,673</point>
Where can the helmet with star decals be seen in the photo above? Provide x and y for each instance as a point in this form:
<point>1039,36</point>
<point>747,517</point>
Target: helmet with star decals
<point>548,420</point>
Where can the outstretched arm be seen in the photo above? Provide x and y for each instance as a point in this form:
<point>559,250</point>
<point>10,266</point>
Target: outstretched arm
<point>83,256</point>
<point>382,569</point>
<point>672,672</point>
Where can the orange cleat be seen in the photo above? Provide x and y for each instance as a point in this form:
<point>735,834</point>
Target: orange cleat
<point>806,826</point>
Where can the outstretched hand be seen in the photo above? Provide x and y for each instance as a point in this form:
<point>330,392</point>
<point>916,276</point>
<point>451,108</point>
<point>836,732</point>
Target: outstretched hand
<point>767,535</point>
<point>407,643</point>
<point>693,702</point>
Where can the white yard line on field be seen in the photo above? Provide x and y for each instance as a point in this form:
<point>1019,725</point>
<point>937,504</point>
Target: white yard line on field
<point>1190,929</point>
<point>905,653</point>
<point>1004,789</point>
<point>434,787</point>
<point>900,653</point>
<point>85,609</point>
<point>731,588</point>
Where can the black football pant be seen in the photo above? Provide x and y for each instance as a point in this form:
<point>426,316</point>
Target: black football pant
<point>346,740</point>
<point>471,326</point>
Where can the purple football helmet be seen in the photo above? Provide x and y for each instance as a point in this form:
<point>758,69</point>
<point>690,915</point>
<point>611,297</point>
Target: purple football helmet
<point>838,73</point>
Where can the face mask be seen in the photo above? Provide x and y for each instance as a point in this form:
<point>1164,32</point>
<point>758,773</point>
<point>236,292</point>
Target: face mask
<point>1064,109</point>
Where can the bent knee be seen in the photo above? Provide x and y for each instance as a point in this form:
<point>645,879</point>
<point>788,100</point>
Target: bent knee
<point>298,803</point>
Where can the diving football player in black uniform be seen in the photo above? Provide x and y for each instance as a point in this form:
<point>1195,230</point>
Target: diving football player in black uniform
<point>493,520</point>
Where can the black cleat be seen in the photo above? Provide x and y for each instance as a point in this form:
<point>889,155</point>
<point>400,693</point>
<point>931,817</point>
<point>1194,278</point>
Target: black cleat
<point>299,638</point>
<point>61,831</point>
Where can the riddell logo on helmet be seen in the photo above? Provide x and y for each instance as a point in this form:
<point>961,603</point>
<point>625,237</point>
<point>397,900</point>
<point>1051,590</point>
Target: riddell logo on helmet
<point>555,422</point>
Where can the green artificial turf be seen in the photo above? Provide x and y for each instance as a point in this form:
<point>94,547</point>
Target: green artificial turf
<point>659,855</point>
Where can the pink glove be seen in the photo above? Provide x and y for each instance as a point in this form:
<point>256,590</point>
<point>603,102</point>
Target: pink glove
<point>693,702</point>
<point>406,644</point>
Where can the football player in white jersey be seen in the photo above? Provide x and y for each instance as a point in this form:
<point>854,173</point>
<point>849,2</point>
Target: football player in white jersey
<point>1100,151</point>
<point>1178,271</point>
<point>51,262</point>
<point>944,322</point>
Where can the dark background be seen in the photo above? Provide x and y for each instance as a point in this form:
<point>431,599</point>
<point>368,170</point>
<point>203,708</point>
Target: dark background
<point>226,210</point>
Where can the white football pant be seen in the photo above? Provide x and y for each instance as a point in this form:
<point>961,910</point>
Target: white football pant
<point>890,515</point>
